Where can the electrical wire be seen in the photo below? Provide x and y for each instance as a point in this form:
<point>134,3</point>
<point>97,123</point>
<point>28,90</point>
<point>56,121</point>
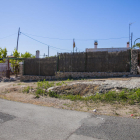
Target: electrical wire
<point>63,39</point>
<point>76,39</point>
<point>43,43</point>
<point>48,37</point>
<point>8,36</point>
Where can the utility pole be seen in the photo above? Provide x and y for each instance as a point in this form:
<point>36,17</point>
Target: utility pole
<point>76,49</point>
<point>18,38</point>
<point>129,31</point>
<point>48,51</point>
<point>131,39</point>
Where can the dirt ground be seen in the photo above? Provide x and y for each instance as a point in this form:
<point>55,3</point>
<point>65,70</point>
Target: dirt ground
<point>13,91</point>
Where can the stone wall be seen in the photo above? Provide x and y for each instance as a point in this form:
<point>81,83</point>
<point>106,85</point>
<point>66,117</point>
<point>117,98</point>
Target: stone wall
<point>134,61</point>
<point>74,75</point>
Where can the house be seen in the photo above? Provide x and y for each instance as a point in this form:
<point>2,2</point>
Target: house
<point>95,49</point>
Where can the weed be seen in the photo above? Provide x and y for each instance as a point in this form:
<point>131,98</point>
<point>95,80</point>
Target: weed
<point>37,96</point>
<point>53,94</point>
<point>40,91</point>
<point>122,96</point>
<point>26,89</point>
<point>45,84</point>
<point>60,83</point>
<point>125,96</point>
<point>109,97</point>
<point>131,102</point>
<point>69,80</point>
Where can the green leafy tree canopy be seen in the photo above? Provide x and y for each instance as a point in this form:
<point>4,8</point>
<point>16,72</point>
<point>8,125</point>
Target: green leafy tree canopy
<point>137,45</point>
<point>27,55</point>
<point>16,53</point>
<point>3,54</point>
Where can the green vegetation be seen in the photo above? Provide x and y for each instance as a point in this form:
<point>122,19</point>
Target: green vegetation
<point>44,84</point>
<point>126,96</point>
<point>68,80</point>
<point>3,54</point>
<point>27,55</point>
<point>53,94</point>
<point>26,90</point>
<point>60,83</point>
<point>137,45</point>
<point>16,54</point>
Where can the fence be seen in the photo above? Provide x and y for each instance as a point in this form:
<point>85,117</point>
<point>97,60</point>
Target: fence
<point>79,62</point>
<point>95,62</point>
<point>41,67</point>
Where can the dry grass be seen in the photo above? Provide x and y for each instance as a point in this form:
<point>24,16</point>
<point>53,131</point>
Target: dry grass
<point>13,91</point>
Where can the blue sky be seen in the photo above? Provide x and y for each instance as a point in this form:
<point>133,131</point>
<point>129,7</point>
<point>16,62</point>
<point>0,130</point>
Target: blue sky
<point>84,20</point>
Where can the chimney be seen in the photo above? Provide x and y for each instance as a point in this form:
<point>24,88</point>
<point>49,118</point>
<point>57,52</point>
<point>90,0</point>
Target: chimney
<point>37,54</point>
<point>95,44</point>
<point>127,44</point>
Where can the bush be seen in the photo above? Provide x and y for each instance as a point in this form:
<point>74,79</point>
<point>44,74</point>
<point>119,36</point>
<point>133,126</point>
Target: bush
<point>40,91</point>
<point>53,94</point>
<point>110,96</point>
<point>138,95</point>
<point>122,96</point>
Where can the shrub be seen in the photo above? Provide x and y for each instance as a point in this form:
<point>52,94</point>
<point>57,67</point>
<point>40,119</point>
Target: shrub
<point>40,91</point>
<point>45,84</point>
<point>26,90</point>
<point>122,96</point>
<point>53,94</point>
<point>110,96</point>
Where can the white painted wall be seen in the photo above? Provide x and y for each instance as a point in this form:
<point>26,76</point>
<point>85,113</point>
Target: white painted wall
<point>4,67</point>
<point>106,49</point>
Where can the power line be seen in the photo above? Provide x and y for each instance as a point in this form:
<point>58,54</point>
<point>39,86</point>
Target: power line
<point>8,36</point>
<point>76,39</point>
<point>48,37</point>
<point>42,42</point>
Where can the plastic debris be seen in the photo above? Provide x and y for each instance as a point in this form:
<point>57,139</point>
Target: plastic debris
<point>94,110</point>
<point>138,117</point>
<point>131,115</point>
<point>100,118</point>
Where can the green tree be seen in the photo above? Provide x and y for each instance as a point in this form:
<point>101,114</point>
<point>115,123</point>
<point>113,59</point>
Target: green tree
<point>15,63</point>
<point>3,54</point>
<point>27,55</point>
<point>16,54</point>
<point>137,45</point>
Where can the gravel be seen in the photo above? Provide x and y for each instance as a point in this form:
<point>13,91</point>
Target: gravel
<point>109,84</point>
